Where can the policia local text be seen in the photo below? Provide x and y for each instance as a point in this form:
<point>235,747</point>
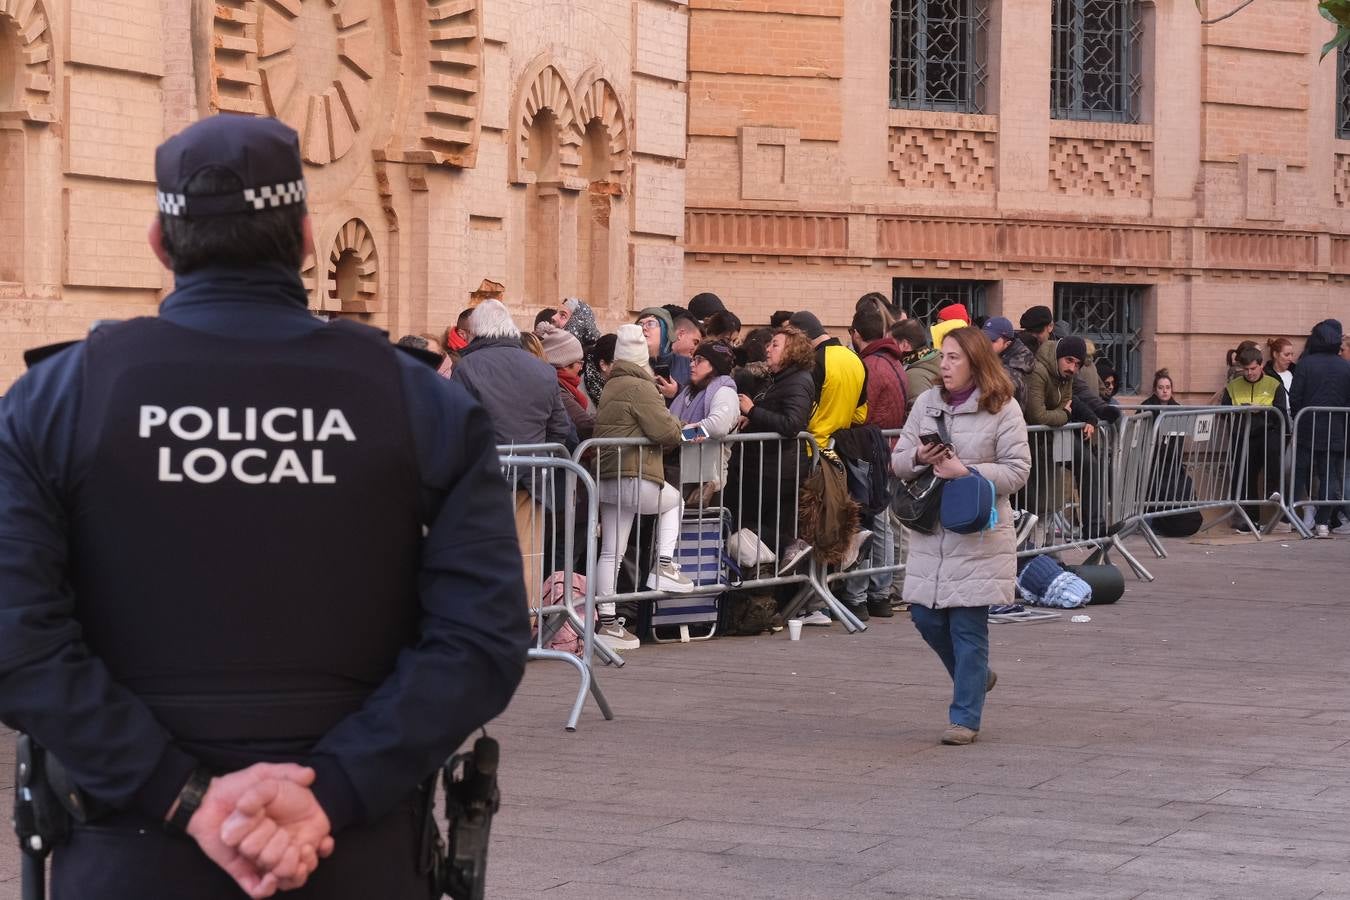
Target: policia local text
<point>265,463</point>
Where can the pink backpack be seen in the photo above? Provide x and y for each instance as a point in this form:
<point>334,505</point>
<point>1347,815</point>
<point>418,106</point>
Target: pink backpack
<point>565,638</point>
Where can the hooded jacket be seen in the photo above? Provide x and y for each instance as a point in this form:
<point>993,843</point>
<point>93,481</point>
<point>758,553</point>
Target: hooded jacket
<point>1322,379</point>
<point>1047,392</point>
<point>679,365</point>
<point>887,383</point>
<point>921,367</point>
<point>1018,361</point>
<point>841,391</point>
<point>631,407</point>
<point>946,569</point>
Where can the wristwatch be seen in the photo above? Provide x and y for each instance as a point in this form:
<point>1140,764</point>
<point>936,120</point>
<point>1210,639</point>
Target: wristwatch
<point>189,799</point>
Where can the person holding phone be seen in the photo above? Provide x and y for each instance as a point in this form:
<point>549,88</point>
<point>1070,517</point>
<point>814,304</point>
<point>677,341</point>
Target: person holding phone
<point>671,371</point>
<point>951,579</point>
<point>709,402</point>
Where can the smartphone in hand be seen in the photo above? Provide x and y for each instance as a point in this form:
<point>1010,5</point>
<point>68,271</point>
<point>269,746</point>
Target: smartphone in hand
<point>693,432</point>
<point>662,370</point>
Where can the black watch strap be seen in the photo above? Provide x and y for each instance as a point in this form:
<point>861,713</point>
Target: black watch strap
<point>189,799</point>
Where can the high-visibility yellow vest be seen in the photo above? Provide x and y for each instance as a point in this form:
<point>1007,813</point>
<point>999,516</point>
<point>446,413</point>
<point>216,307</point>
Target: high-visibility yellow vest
<point>1247,393</point>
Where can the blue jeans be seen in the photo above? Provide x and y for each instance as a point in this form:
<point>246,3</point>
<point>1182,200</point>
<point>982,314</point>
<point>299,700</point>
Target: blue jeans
<point>960,637</point>
<point>880,551</point>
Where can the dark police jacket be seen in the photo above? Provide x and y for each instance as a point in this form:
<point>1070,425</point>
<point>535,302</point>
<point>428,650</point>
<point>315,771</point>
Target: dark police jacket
<point>201,563</point>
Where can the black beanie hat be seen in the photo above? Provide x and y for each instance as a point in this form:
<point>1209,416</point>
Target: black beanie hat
<point>719,355</point>
<point>1036,318</point>
<point>1072,346</point>
<point>807,324</point>
<point>705,304</point>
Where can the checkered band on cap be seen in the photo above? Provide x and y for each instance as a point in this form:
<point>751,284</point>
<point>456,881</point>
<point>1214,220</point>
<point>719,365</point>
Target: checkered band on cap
<point>284,194</point>
<point>171,204</point>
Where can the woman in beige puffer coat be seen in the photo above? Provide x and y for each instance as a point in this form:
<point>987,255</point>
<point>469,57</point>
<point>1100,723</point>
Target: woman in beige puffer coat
<point>951,579</point>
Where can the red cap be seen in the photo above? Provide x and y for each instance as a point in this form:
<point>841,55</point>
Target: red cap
<point>955,311</point>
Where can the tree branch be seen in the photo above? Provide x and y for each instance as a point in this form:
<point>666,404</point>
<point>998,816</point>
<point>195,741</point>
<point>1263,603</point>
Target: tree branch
<point>1234,11</point>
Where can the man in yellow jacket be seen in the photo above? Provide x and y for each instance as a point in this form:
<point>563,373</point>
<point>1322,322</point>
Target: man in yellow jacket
<point>841,381</point>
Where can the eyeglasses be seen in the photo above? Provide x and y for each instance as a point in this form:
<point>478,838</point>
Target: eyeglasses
<point>649,324</point>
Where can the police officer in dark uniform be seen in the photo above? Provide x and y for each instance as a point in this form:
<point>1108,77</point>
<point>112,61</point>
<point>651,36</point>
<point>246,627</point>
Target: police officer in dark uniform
<point>235,534</point>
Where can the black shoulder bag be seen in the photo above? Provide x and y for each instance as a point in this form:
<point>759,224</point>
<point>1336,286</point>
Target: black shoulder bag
<point>918,500</point>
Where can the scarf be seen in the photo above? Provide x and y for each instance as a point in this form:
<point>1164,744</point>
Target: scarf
<point>572,384</point>
<point>956,398</point>
<point>691,408</point>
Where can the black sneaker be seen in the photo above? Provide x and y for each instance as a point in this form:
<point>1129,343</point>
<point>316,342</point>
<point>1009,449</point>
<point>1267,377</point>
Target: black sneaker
<point>881,608</point>
<point>860,611</point>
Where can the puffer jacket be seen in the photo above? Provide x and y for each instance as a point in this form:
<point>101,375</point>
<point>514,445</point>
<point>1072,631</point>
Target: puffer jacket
<point>1018,361</point>
<point>946,569</point>
<point>631,407</point>
<point>887,383</point>
<point>1047,393</point>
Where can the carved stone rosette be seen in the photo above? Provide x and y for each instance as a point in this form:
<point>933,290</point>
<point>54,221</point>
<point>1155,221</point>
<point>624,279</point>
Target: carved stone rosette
<point>315,64</point>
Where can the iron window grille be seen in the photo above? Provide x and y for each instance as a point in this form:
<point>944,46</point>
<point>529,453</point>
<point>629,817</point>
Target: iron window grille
<point>921,298</point>
<point>1112,316</point>
<point>939,53</point>
<point>1095,60</point>
<point>1342,93</point>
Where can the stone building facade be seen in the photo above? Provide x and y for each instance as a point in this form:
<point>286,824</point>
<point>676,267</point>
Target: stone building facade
<point>1169,187</point>
<point>454,149</point>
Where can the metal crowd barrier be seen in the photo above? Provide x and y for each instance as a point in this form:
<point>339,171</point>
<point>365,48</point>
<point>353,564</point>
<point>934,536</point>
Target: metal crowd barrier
<point>1317,476</point>
<point>1187,460</point>
<point>753,480</point>
<point>544,485</point>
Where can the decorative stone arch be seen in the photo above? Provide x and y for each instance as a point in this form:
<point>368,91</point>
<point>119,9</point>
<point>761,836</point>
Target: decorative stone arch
<point>599,102</point>
<point>542,88</point>
<point>26,50</point>
<point>350,283</point>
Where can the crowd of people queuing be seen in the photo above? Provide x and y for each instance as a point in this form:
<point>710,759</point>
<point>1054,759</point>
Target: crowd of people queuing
<point>677,371</point>
<point>708,370</point>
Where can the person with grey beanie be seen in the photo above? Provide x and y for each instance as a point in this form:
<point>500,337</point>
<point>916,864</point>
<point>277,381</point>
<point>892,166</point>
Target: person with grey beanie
<point>563,352</point>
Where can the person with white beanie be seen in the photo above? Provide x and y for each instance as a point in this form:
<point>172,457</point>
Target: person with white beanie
<point>632,480</point>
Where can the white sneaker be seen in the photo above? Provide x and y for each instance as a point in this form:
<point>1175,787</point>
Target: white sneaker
<point>855,545</point>
<point>1343,528</point>
<point>666,576</point>
<point>816,617</point>
<point>1321,531</point>
<point>1282,528</point>
<point>616,637</point>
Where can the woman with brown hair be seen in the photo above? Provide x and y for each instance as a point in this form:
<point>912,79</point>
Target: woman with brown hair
<point>951,579</point>
<point>1281,364</point>
<point>763,477</point>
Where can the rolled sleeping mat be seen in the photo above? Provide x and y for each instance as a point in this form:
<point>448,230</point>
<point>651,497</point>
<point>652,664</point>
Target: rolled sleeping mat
<point>1107,582</point>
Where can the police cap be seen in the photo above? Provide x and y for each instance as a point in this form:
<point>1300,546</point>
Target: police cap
<point>262,153</point>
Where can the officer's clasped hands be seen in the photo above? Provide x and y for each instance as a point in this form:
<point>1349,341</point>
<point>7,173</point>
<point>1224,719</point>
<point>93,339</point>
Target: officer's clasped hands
<point>264,827</point>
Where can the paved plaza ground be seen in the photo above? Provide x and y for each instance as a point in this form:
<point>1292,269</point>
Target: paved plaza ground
<point>1192,741</point>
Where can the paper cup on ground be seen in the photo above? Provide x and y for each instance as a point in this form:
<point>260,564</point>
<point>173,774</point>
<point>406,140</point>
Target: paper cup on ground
<point>794,629</point>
